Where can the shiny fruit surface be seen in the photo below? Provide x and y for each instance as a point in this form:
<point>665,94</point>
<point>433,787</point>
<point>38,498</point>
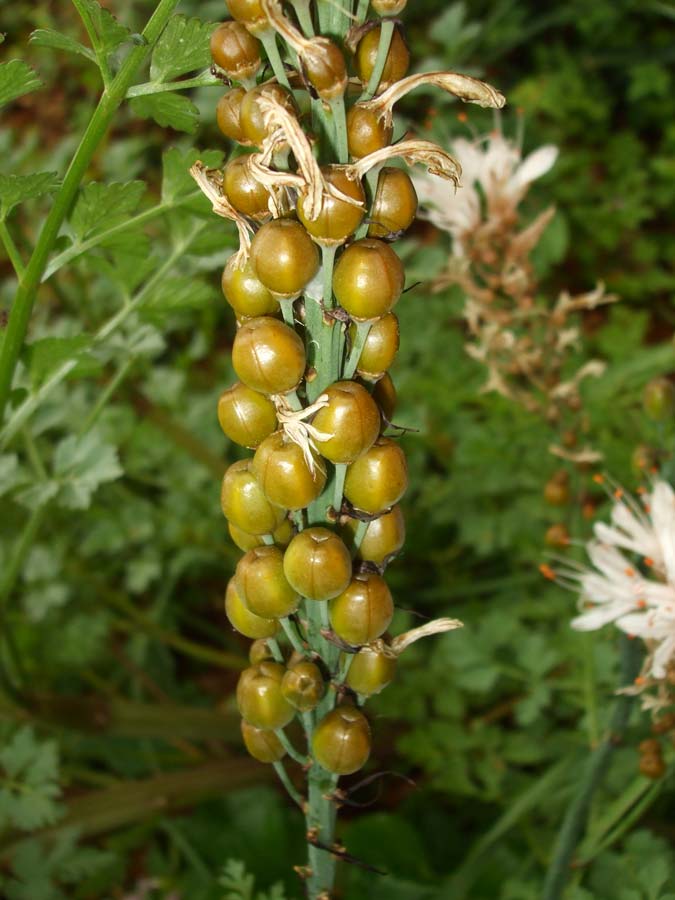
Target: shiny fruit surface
<point>366,131</point>
<point>284,475</point>
<point>317,564</point>
<point>245,621</point>
<point>246,416</point>
<point>397,62</point>
<point>368,279</point>
<point>363,611</point>
<point>268,356</point>
<point>377,479</point>
<point>338,218</point>
<point>395,205</point>
<point>383,539</point>
<point>245,193</point>
<point>263,745</point>
<point>244,503</point>
<point>371,670</point>
<point>235,50</point>
<point>284,257</point>
<point>244,292</point>
<point>282,536</point>
<point>262,585</point>
<point>341,741</point>
<point>259,651</point>
<point>259,696</point>
<point>380,348</point>
<point>303,685</point>
<point>227,115</point>
<point>351,418</point>
<point>249,13</point>
<point>250,115</point>
<point>325,68</point>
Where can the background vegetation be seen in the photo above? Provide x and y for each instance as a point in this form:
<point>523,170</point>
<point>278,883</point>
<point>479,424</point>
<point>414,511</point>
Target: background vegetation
<point>121,771</point>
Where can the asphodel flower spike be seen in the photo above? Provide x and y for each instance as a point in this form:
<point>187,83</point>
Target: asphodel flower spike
<point>437,160</point>
<point>210,182</point>
<point>468,89</point>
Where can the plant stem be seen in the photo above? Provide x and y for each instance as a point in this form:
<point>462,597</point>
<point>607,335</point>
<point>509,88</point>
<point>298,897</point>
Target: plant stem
<point>286,781</point>
<point>362,11</point>
<point>359,535</point>
<point>108,104</point>
<point>12,250</point>
<point>362,331</point>
<point>337,107</point>
<point>301,8</point>
<point>106,394</point>
<point>339,484</point>
<point>321,815</point>
<point>291,634</point>
<point>268,39</point>
<point>596,769</point>
<point>386,34</point>
<point>204,79</point>
<point>101,59</point>
<point>289,748</point>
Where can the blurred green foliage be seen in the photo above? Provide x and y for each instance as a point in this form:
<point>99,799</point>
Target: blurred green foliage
<point>114,554</point>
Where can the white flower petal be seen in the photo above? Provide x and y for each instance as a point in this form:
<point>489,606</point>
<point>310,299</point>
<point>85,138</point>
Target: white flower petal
<point>538,163</point>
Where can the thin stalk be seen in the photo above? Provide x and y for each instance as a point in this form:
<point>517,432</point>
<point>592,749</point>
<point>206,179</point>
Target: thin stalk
<point>362,331</point>
<point>99,123</point>
<point>268,539</point>
<point>596,769</point>
<point>101,58</point>
<point>362,11</point>
<point>327,263</point>
<point>345,665</point>
<point>321,815</point>
<point>359,535</point>
<point>337,108</point>
<point>269,41</point>
<point>339,485</point>
<point>275,649</point>
<point>292,635</point>
<point>287,312</point>
<point>287,783</point>
<point>289,748</point>
<point>386,34</point>
<point>204,79</point>
<point>12,250</point>
<point>302,11</point>
<point>106,395</point>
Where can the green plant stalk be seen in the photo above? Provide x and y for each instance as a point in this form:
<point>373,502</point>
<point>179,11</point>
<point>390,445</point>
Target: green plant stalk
<point>101,59</point>
<point>362,332</point>
<point>301,8</point>
<point>104,113</point>
<point>282,775</point>
<point>106,395</point>
<point>12,250</point>
<point>362,11</point>
<point>268,39</point>
<point>337,108</point>
<point>386,34</point>
<point>204,79</point>
<point>577,813</point>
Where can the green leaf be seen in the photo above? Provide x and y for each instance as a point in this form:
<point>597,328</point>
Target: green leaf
<point>110,32</point>
<point>177,181</point>
<point>169,110</point>
<point>45,355</point>
<point>55,40</point>
<point>29,788</point>
<point>81,465</point>
<point>103,205</point>
<point>10,472</point>
<point>16,79</point>
<point>183,47</point>
<point>15,189</point>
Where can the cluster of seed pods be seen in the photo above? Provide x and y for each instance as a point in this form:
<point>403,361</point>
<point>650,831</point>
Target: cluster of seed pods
<point>313,286</point>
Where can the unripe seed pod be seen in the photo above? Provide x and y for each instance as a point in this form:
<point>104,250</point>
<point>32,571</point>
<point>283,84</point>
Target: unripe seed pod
<point>371,670</point>
<point>284,257</point>
<point>395,204</point>
<point>337,219</point>
<point>262,585</point>
<point>317,564</point>
<point>249,13</point>
<point>268,356</point>
<point>352,420</point>
<point>245,193</point>
<point>341,741</point>
<point>235,50</point>
<point>227,115</point>
<point>383,539</point>
<point>282,536</point>
<point>324,67</point>
<point>244,503</point>
<point>380,348</point>
<point>377,479</point>
<point>658,399</point>
<point>363,611</point>
<point>303,685</point>
<point>384,394</point>
<point>243,620</point>
<point>263,745</point>
<point>284,475</point>
<point>246,416</point>
<point>368,279</point>
<point>652,766</point>
<point>259,696</point>
<point>388,7</point>
<point>556,489</point>
<point>250,115</point>
<point>247,296</point>
<point>557,535</point>
<point>397,62</point>
<point>260,651</point>
<point>367,131</point>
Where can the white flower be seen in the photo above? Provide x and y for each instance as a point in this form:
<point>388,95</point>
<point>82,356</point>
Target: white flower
<point>632,579</point>
<point>495,165</point>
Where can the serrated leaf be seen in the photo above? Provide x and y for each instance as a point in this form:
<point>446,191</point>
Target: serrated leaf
<point>37,494</point>
<point>169,110</point>
<point>29,790</point>
<point>180,293</point>
<point>10,472</point>
<point>46,354</point>
<point>16,79</point>
<point>15,189</point>
<point>55,40</point>
<point>81,465</point>
<point>177,181</point>
<point>103,205</point>
<point>111,33</point>
<point>183,47</point>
